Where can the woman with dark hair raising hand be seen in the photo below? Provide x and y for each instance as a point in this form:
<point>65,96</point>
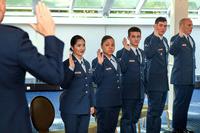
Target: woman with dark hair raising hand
<point>107,76</point>
<point>76,101</point>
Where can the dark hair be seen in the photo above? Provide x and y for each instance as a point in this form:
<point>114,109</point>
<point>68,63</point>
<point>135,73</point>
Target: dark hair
<point>74,39</point>
<point>133,29</point>
<point>160,19</point>
<point>106,37</point>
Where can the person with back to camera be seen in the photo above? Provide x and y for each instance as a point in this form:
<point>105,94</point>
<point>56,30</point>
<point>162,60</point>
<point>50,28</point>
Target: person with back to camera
<point>107,76</point>
<point>18,56</point>
<point>77,99</point>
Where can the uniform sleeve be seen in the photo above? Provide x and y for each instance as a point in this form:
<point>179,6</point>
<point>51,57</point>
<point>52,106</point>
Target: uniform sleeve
<point>149,49</point>
<point>119,54</point>
<point>124,60</point>
<point>175,45</point>
<point>47,67</point>
<point>92,97</point>
<point>68,75</point>
<point>98,71</point>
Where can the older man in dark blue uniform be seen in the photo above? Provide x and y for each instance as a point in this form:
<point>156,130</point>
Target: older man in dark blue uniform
<point>183,74</point>
<point>18,55</point>
<point>131,59</point>
<point>157,80</point>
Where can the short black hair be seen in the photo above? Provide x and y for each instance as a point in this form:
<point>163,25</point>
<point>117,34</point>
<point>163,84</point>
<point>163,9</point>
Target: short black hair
<point>160,19</point>
<point>74,39</point>
<point>106,37</point>
<point>133,29</point>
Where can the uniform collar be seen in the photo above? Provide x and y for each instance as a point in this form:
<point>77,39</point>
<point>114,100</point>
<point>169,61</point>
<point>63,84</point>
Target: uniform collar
<point>161,37</point>
<point>79,60</point>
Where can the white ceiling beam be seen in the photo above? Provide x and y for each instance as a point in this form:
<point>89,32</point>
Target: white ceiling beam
<point>199,13</point>
<point>139,6</point>
<point>107,6</point>
<point>71,5</point>
<point>168,11</point>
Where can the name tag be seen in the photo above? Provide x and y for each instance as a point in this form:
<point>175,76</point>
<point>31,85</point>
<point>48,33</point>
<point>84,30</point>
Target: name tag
<point>184,45</point>
<point>109,68</point>
<point>77,72</point>
<point>131,60</point>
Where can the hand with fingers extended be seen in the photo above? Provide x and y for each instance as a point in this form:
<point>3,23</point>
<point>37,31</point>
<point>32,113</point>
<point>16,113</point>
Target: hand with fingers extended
<point>181,32</point>
<point>100,56</point>
<point>156,32</point>
<point>71,62</point>
<point>126,44</point>
<point>45,24</point>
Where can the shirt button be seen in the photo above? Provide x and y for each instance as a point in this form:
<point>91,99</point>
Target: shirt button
<point>85,77</point>
<point>86,85</point>
<point>86,92</point>
<point>117,81</point>
<point>118,87</point>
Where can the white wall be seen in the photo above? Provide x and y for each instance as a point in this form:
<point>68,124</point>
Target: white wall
<point>196,35</point>
<point>94,33</point>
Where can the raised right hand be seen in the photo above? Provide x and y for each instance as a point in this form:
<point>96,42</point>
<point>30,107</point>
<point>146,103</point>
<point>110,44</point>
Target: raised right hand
<point>156,32</point>
<point>181,32</point>
<point>100,56</point>
<point>45,24</point>
<point>126,45</point>
<point>71,62</point>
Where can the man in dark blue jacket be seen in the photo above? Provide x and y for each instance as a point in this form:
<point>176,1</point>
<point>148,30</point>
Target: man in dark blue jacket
<point>131,60</point>
<point>183,74</point>
<point>18,55</point>
<point>156,52</point>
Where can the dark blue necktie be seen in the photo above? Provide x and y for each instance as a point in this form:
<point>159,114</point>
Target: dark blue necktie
<point>83,66</point>
<point>188,39</point>
<point>138,55</point>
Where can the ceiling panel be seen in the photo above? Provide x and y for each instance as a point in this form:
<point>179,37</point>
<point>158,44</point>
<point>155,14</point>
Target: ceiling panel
<point>125,4</point>
<point>156,4</point>
<point>89,3</point>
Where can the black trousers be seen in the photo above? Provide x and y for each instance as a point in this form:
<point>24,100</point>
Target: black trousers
<point>156,104</point>
<point>76,123</point>
<point>107,118</point>
<point>183,95</point>
<point>131,109</point>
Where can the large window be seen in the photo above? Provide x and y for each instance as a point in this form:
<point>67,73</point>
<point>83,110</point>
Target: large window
<point>101,8</point>
<point>28,3</point>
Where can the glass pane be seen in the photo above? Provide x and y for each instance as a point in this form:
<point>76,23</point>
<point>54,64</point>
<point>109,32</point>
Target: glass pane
<point>89,3</point>
<point>57,3</point>
<point>156,4</point>
<point>194,4</point>
<point>124,4</point>
<point>19,3</point>
<point>28,3</point>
